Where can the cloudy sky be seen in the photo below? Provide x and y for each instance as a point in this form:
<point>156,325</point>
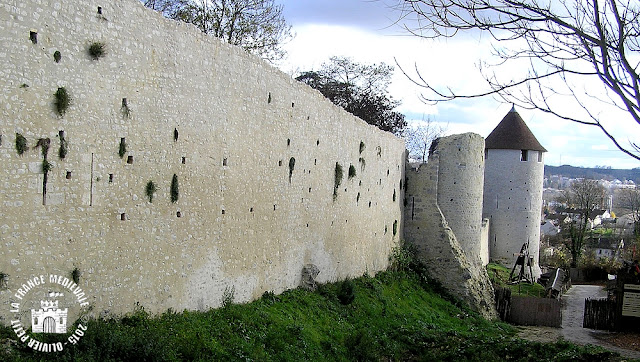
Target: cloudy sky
<point>367,31</point>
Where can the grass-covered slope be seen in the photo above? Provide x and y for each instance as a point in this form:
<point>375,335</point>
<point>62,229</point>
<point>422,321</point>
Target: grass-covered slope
<point>499,276</point>
<point>394,316</point>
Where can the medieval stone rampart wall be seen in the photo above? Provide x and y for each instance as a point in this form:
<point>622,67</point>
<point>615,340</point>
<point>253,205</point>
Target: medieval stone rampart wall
<point>254,153</point>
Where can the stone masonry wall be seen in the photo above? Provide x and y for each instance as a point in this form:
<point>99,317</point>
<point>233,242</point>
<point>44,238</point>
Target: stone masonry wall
<point>512,201</point>
<point>254,153</point>
<point>426,227</point>
<point>460,189</point>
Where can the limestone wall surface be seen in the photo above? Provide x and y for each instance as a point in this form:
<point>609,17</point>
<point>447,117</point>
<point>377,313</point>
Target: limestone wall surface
<point>460,189</point>
<point>427,228</point>
<point>255,154</point>
<point>513,203</point>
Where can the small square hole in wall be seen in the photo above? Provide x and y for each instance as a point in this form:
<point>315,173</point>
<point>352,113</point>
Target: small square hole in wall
<point>184,160</point>
<point>224,162</point>
<point>222,211</point>
<point>251,209</point>
<point>129,159</point>
<point>110,177</point>
<point>318,143</point>
<point>0,140</point>
<point>274,207</point>
<point>280,163</point>
<point>178,214</point>
<point>123,216</point>
<point>33,36</point>
<point>100,10</point>
<point>292,104</point>
<point>288,141</point>
<point>68,177</point>
<point>61,134</point>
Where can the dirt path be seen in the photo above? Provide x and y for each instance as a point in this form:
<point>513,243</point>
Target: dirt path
<point>572,315</point>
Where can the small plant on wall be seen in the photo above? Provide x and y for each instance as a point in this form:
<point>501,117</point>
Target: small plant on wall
<point>363,164</point>
<point>124,109</point>
<point>352,172</point>
<point>292,164</point>
<point>4,280</point>
<point>337,180</point>
<point>75,275</point>
<point>62,151</point>
<point>123,147</point>
<point>44,144</point>
<point>97,50</point>
<point>150,190</point>
<point>21,144</point>
<point>174,188</point>
<point>62,101</point>
<point>395,227</point>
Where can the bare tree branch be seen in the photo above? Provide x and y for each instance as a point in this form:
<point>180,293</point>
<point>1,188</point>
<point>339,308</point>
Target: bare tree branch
<point>562,40</point>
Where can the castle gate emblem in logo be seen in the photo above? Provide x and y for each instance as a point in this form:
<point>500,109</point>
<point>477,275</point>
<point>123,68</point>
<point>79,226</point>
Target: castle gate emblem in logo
<point>46,303</point>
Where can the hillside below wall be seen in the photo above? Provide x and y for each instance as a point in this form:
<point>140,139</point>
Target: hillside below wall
<point>254,153</point>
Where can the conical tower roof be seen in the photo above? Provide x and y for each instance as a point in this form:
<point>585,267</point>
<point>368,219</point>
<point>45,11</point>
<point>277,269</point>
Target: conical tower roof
<point>512,134</point>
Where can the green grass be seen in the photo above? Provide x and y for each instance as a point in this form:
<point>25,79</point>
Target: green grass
<point>499,276</point>
<point>395,316</point>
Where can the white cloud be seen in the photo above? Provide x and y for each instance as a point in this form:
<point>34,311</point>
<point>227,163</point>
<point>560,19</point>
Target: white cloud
<point>453,64</point>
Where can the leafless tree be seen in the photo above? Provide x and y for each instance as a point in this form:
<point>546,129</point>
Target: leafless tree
<point>257,26</point>
<point>418,138</point>
<point>582,198</point>
<point>559,41</point>
<point>630,200</point>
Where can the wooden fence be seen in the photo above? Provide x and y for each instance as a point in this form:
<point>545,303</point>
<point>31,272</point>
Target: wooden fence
<point>599,314</point>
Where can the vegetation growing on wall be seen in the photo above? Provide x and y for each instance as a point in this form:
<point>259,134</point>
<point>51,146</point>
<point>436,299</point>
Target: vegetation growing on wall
<point>4,280</point>
<point>21,144</point>
<point>395,227</point>
<point>123,147</point>
<point>62,151</point>
<point>75,275</point>
<point>150,189</point>
<point>337,180</point>
<point>97,50</point>
<point>62,101</point>
<point>174,188</point>
<point>124,109</point>
<point>44,144</point>
<point>352,172</point>
<point>292,164</point>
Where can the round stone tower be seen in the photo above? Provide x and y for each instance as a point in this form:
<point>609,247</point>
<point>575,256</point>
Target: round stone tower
<point>460,180</point>
<point>513,178</point>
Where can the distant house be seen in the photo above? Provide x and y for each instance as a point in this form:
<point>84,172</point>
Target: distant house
<point>606,248</point>
<point>549,228</point>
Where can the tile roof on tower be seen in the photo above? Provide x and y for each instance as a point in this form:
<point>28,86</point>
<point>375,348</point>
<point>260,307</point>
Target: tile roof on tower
<point>513,134</point>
